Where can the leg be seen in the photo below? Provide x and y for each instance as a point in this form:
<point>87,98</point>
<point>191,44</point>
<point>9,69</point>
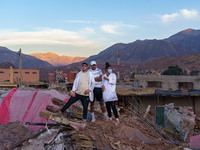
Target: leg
<point>108,105</point>
<point>92,111</point>
<point>101,103</point>
<point>92,103</point>
<point>114,109</point>
<point>71,101</point>
<point>85,102</point>
<point>92,107</point>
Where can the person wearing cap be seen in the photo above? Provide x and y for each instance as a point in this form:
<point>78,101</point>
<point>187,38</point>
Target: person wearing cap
<point>82,90</point>
<point>109,91</point>
<point>97,73</point>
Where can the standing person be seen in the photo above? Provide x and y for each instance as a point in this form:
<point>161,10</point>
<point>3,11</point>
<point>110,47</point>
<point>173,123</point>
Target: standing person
<point>82,90</point>
<point>109,91</point>
<point>97,73</point>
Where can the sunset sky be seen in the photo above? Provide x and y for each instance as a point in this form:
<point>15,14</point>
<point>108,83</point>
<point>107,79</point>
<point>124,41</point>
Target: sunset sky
<point>86,27</point>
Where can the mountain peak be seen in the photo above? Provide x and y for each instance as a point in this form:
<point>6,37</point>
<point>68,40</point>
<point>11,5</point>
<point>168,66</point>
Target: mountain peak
<point>187,31</point>
<point>56,59</point>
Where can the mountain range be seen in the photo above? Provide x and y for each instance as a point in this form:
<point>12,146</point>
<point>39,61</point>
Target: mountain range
<point>182,48</point>
<point>57,60</point>
<point>7,55</point>
<point>143,51</point>
<point>189,62</point>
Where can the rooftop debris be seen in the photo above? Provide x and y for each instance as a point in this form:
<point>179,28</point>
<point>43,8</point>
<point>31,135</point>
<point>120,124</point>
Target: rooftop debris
<point>182,120</point>
<point>137,130</point>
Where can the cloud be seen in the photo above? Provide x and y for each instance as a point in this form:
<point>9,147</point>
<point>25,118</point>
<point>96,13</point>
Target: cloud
<point>109,28</point>
<point>88,30</point>
<point>79,21</point>
<point>45,36</point>
<point>50,40</point>
<point>113,28</point>
<point>183,14</point>
<point>189,14</point>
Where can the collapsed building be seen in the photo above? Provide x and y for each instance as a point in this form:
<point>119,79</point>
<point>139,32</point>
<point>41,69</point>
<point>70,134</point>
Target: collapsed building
<point>28,119</point>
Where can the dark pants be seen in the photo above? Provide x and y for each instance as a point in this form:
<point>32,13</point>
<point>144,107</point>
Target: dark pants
<point>110,105</point>
<point>72,100</point>
<point>98,96</point>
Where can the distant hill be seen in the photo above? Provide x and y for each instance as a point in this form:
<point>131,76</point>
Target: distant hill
<point>191,62</point>
<point>142,51</point>
<point>12,57</point>
<point>57,60</point>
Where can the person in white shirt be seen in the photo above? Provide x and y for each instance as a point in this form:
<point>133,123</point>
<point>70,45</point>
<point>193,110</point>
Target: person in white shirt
<point>109,91</point>
<point>97,73</point>
<point>82,90</point>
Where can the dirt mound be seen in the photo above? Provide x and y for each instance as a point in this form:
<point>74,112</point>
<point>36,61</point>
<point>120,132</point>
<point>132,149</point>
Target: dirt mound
<point>12,133</point>
<point>131,133</point>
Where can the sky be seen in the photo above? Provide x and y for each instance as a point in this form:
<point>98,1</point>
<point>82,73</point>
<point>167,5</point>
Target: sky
<point>86,27</point>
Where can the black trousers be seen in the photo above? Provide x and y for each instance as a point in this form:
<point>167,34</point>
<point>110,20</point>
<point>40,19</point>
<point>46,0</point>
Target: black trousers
<point>72,100</point>
<point>110,105</point>
<point>98,94</point>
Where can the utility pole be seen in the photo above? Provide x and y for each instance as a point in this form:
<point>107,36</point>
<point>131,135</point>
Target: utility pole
<point>118,65</point>
<point>20,67</point>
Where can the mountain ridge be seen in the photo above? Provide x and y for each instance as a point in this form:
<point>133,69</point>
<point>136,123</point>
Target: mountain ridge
<point>56,59</point>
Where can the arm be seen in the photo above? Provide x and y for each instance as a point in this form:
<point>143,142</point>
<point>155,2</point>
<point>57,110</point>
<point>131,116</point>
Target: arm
<point>75,86</point>
<point>113,79</point>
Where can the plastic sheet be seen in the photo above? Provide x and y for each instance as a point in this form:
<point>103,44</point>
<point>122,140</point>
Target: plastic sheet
<point>25,105</point>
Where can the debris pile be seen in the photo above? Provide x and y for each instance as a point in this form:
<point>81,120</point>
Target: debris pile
<point>182,120</point>
<point>136,130</point>
<point>11,133</point>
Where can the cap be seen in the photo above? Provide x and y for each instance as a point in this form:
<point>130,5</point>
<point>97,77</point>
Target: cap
<point>93,63</point>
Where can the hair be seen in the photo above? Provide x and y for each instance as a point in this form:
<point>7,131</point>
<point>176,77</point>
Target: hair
<point>84,63</point>
<point>107,65</point>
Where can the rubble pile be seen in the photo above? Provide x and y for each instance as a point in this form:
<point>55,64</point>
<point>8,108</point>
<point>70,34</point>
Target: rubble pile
<point>197,126</point>
<point>12,133</point>
<point>182,119</point>
<point>131,133</point>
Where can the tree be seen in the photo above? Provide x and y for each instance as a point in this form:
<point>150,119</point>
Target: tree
<point>194,73</point>
<point>173,70</point>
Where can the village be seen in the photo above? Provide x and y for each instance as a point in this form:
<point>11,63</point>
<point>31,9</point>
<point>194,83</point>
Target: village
<point>156,112</point>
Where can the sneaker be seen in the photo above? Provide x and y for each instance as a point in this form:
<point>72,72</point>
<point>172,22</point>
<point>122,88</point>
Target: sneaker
<point>93,120</point>
<point>93,117</point>
<point>117,121</point>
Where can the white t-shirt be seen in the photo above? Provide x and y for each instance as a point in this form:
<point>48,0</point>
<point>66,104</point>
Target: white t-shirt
<point>96,73</point>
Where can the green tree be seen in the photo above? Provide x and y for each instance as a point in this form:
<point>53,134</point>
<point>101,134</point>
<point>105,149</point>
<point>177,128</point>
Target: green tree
<point>194,73</point>
<point>173,70</point>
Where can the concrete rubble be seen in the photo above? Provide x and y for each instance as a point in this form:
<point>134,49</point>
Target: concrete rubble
<point>182,120</point>
<point>136,131</point>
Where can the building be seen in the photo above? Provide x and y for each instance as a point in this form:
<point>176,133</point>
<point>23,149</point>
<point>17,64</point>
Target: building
<point>57,76</point>
<point>72,76</point>
<point>166,82</point>
<point>12,75</point>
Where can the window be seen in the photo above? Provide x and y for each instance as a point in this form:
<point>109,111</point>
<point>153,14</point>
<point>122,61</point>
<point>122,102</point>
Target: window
<point>15,72</point>
<point>185,85</point>
<point>154,84</point>
<point>1,72</point>
<point>34,72</point>
<point>26,72</point>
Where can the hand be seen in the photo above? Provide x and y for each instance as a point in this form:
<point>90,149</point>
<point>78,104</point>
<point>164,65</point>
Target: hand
<point>103,88</point>
<point>96,79</point>
<point>106,78</point>
<point>87,91</point>
<point>72,93</point>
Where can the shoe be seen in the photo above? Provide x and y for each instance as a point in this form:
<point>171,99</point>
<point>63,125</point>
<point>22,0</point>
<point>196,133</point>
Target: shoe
<point>117,121</point>
<point>93,117</point>
<point>105,116</point>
